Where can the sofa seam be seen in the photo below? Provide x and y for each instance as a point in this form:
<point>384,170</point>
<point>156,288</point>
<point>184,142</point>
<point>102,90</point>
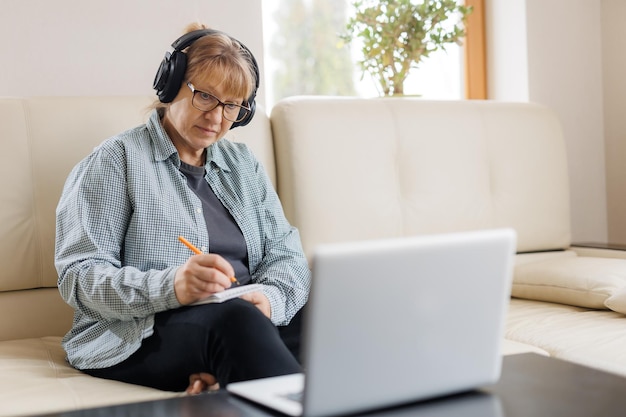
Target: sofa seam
<point>27,111</point>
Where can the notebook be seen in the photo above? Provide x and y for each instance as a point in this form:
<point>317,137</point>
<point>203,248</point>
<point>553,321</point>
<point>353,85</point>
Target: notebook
<point>395,321</point>
<point>228,294</point>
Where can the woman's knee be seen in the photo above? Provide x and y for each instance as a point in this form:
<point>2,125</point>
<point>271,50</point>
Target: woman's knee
<point>244,317</point>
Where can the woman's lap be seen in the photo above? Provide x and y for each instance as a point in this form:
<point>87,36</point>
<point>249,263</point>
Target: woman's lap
<point>233,341</point>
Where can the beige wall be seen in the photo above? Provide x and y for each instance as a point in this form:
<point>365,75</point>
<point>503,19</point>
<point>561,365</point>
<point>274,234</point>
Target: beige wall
<point>550,52</point>
<point>614,80</point>
<point>112,47</point>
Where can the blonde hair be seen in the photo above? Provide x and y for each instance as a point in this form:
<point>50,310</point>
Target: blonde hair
<point>224,58</point>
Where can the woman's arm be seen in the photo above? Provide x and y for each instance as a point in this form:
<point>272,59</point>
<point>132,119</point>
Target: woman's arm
<point>93,215</point>
<point>283,267</point>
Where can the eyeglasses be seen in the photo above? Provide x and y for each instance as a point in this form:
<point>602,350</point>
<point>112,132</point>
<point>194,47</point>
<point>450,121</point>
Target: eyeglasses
<point>207,102</point>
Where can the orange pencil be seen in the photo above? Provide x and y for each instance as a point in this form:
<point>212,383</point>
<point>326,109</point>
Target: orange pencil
<point>198,252</point>
<point>189,245</point>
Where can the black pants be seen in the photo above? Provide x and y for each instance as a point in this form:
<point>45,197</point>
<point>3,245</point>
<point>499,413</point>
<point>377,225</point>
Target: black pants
<point>233,341</point>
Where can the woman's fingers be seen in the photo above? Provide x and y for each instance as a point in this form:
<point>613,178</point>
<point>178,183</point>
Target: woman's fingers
<point>260,301</point>
<point>201,276</point>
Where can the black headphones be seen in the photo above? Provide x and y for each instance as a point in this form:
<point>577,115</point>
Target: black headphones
<point>171,73</point>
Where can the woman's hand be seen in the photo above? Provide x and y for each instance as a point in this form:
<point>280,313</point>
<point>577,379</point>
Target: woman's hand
<point>260,301</point>
<point>201,276</point>
<point>201,382</point>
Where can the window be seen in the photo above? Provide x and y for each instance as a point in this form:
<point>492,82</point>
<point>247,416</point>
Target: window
<point>305,55</point>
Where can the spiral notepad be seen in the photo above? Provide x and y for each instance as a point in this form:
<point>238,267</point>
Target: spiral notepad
<point>233,292</point>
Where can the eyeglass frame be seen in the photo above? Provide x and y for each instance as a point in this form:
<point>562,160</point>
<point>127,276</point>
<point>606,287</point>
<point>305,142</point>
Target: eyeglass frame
<point>240,107</point>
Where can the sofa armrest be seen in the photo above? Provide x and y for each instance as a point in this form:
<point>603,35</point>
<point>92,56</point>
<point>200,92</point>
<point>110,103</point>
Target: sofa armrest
<point>599,250</point>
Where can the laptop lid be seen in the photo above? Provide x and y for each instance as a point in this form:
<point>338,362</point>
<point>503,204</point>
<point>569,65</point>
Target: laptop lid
<point>398,320</point>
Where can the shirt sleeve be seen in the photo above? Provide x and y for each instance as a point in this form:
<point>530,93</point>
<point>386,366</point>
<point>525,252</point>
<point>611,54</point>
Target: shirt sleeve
<point>283,268</point>
<point>92,219</point>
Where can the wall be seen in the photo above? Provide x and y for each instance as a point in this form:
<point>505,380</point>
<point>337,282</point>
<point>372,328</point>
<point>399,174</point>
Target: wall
<point>112,47</point>
<point>507,67</point>
<point>614,68</point>
<point>550,52</point>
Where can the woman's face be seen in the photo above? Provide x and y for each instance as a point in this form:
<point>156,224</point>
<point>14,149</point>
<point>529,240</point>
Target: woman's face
<point>192,130</point>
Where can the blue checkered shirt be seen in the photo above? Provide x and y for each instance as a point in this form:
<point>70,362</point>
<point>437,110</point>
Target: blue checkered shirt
<point>118,220</point>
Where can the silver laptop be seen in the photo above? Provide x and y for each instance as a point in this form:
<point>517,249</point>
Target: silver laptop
<point>396,321</point>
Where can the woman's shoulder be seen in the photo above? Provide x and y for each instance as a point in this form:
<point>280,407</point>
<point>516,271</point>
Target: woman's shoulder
<point>233,146</point>
<point>134,137</point>
<point>116,150</point>
<point>235,150</point>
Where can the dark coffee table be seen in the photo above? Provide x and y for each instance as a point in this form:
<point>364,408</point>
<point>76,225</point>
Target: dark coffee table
<point>531,385</point>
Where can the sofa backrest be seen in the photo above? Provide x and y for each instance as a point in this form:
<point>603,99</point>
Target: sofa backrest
<point>352,169</point>
<point>346,169</point>
<point>43,139</point>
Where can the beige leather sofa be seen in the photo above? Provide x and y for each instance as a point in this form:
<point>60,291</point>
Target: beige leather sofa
<point>345,169</point>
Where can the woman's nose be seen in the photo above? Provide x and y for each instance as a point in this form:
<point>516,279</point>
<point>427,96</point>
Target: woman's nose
<point>216,114</point>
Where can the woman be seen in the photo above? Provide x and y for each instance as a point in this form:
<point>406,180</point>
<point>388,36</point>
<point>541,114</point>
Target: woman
<point>123,207</point>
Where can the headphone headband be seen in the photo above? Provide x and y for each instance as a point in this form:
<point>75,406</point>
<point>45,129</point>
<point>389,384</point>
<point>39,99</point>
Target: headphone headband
<point>170,75</point>
<point>188,38</point>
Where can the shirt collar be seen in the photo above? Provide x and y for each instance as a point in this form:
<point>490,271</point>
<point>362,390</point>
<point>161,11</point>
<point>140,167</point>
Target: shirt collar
<point>163,147</point>
<point>215,155</point>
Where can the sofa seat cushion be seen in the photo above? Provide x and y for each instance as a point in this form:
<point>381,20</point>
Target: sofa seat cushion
<point>564,277</point>
<point>36,379</point>
<point>512,347</point>
<point>595,338</point>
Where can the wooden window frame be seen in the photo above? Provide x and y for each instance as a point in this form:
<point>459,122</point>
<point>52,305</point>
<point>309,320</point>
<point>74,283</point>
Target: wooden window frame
<point>475,55</point>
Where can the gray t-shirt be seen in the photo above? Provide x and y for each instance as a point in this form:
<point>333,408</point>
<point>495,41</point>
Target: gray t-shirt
<point>225,236</point>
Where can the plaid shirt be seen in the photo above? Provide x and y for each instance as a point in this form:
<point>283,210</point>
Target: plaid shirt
<point>118,220</point>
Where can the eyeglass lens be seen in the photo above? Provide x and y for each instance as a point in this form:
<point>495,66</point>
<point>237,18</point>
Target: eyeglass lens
<point>207,102</point>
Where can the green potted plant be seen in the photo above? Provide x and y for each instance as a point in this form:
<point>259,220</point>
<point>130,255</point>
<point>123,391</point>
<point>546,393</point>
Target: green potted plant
<point>397,35</point>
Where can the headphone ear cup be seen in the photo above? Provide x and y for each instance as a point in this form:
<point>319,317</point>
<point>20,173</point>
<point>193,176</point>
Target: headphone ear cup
<point>252,99</point>
<point>249,116</point>
<point>170,76</point>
